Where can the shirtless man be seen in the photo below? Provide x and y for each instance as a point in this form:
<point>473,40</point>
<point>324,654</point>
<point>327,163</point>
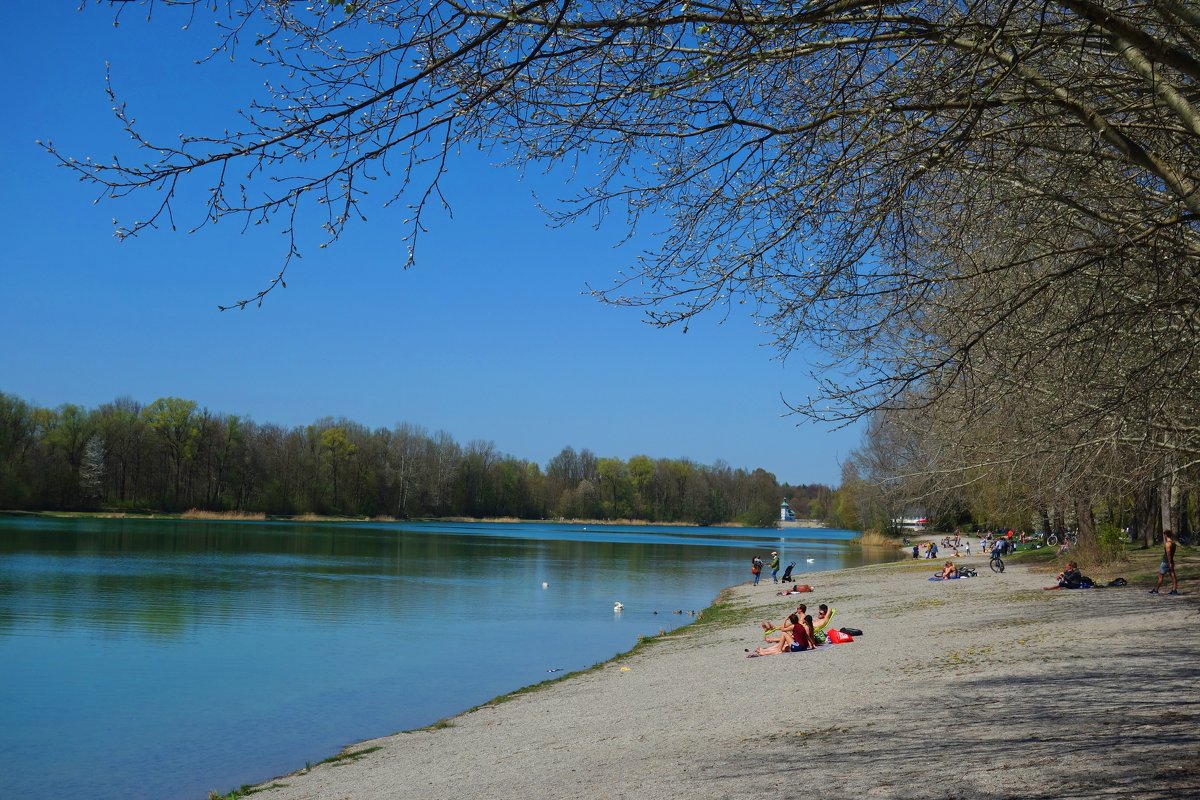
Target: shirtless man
<point>784,642</point>
<point>824,617</point>
<point>770,627</point>
<point>1168,565</point>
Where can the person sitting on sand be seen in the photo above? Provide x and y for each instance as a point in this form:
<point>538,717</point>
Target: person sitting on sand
<point>824,617</point>
<point>1070,577</point>
<point>784,643</point>
<point>803,635</point>
<point>949,571</point>
<point>770,627</point>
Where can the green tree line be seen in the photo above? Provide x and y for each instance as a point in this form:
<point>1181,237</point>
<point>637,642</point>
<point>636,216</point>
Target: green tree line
<point>173,455</point>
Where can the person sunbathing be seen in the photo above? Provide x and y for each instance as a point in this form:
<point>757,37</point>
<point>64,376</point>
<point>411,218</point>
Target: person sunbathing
<point>803,637</point>
<point>824,617</point>
<point>784,643</point>
<point>770,627</point>
<point>949,571</point>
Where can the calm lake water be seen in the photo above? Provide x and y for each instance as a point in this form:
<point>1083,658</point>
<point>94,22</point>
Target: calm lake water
<point>164,659</point>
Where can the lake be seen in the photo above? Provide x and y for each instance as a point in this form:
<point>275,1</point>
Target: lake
<point>163,658</point>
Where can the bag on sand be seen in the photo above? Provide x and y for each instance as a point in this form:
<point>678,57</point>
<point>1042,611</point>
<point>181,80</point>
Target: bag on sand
<point>837,637</point>
<point>852,631</point>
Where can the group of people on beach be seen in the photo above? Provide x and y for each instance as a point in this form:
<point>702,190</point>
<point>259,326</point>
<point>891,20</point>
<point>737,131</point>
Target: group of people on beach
<point>756,568</point>
<point>798,631</point>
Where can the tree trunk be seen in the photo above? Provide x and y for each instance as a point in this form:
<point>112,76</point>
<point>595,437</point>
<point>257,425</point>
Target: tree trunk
<point>1168,500</point>
<point>1185,528</point>
<point>1145,515</point>
<point>1087,522</point>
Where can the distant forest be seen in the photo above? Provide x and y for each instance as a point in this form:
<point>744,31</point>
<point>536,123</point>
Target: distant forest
<point>172,455</point>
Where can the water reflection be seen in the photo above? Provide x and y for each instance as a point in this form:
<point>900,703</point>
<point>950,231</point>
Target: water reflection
<point>262,645</point>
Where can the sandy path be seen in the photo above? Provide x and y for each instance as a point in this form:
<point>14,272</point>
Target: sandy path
<point>978,688</point>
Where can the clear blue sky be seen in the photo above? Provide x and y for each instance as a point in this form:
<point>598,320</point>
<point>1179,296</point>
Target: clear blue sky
<point>488,337</point>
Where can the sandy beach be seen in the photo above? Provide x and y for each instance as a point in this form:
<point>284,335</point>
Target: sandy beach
<point>985,687</point>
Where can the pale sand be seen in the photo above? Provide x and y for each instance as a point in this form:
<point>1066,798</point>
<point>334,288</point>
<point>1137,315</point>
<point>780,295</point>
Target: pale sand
<point>984,687</point>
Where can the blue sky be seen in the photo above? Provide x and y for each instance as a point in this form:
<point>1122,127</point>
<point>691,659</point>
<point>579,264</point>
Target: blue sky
<point>488,337</point>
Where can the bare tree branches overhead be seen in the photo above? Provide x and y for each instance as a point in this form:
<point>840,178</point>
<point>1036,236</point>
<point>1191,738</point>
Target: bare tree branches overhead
<point>951,200</point>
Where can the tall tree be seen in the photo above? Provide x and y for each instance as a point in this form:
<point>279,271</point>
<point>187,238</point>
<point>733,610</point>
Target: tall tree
<point>172,420</point>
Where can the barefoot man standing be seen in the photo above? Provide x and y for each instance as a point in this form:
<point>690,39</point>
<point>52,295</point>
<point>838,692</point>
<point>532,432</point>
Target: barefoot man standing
<point>1167,567</point>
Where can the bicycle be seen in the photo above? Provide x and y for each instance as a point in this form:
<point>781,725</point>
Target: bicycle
<point>1054,539</point>
<point>996,562</point>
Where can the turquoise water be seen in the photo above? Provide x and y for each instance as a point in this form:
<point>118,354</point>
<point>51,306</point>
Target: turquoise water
<point>164,659</point>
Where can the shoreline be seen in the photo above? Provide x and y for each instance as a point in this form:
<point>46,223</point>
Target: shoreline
<point>260,516</point>
<point>1009,677</point>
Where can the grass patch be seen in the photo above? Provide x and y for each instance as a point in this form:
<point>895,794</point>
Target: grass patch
<point>195,513</point>
<point>906,607</point>
<point>874,538</point>
<point>815,736</point>
<point>440,725</point>
<point>245,790</point>
<point>311,517</point>
<point>349,756</point>
<point>966,658</point>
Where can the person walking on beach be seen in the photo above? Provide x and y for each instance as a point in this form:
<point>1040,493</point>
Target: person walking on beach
<point>774,567</point>
<point>1167,567</point>
<point>756,565</point>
